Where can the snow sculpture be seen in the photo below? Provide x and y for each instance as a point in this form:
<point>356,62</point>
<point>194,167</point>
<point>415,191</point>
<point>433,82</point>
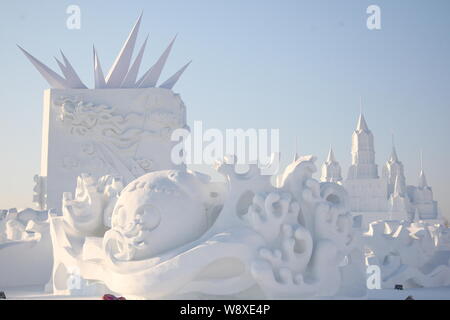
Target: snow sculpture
<point>39,192</point>
<point>173,236</point>
<point>422,199</point>
<point>368,192</point>
<point>158,212</point>
<point>27,224</point>
<point>331,169</point>
<point>408,253</point>
<point>25,248</point>
<point>89,213</point>
<point>121,127</point>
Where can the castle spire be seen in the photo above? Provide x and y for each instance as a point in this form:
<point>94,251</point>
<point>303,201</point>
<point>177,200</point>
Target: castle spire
<point>331,170</point>
<point>393,157</point>
<point>330,157</point>
<point>393,171</point>
<point>422,178</point>
<point>296,156</point>
<point>398,190</point>
<point>362,125</point>
<point>363,153</point>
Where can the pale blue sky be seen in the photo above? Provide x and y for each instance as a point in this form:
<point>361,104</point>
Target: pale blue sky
<point>299,66</point>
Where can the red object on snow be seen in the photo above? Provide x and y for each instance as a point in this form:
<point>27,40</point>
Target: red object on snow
<point>112,297</point>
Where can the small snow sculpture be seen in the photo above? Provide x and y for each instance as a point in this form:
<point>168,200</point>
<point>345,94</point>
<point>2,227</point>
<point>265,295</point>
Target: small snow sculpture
<point>25,248</point>
<point>89,213</point>
<point>408,253</point>
<point>24,225</point>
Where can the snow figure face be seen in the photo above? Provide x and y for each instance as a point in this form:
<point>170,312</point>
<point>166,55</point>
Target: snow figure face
<point>157,212</point>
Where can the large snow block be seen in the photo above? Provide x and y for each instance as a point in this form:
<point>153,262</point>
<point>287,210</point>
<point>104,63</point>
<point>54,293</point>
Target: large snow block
<point>121,132</point>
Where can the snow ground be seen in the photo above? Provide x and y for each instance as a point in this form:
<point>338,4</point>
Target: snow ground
<point>441,293</point>
<point>38,293</point>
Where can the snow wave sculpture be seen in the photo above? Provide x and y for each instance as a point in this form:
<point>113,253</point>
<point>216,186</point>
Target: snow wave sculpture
<point>174,234</point>
<point>409,253</point>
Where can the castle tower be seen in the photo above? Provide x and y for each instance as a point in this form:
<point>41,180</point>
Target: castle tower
<point>399,204</point>
<point>331,170</point>
<point>363,153</point>
<point>422,198</point>
<point>368,193</point>
<point>423,180</point>
<point>393,170</point>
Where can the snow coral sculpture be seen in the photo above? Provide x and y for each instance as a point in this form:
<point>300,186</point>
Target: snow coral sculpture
<point>314,246</point>
<point>408,253</point>
<point>173,236</point>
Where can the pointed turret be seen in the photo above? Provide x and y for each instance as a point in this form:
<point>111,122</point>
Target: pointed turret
<point>296,156</point>
<point>363,152</point>
<point>393,157</point>
<point>398,187</point>
<point>362,125</point>
<point>399,204</point>
<point>330,157</point>
<point>422,180</point>
<point>393,171</point>
<point>331,170</point>
<point>422,197</point>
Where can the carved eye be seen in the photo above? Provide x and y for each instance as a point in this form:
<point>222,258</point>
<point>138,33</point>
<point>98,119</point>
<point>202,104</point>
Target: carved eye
<point>150,216</point>
<point>119,217</point>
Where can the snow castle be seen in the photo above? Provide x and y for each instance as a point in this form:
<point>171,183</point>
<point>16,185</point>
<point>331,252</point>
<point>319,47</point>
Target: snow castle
<point>385,197</point>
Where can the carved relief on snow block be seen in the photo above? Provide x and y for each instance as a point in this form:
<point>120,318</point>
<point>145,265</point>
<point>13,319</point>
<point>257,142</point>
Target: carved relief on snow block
<point>122,132</point>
